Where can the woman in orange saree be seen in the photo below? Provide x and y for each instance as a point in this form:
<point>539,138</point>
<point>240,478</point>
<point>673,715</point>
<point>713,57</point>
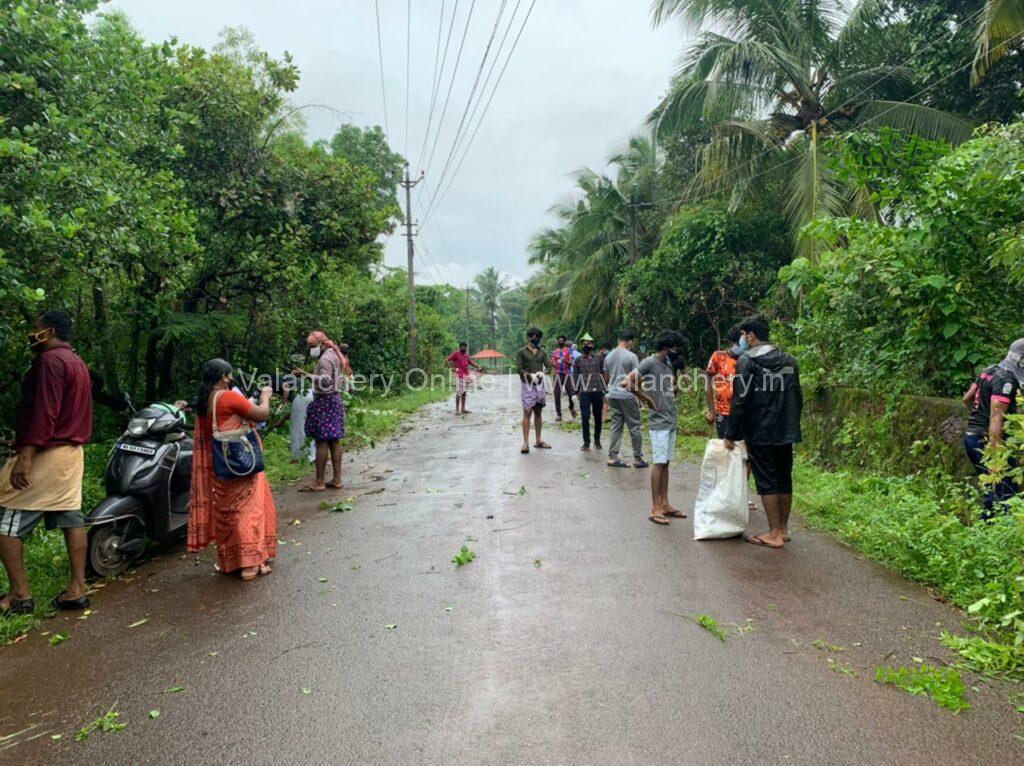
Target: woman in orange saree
<point>237,514</point>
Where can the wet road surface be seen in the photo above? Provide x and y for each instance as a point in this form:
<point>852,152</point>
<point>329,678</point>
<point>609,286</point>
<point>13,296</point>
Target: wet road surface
<point>570,638</point>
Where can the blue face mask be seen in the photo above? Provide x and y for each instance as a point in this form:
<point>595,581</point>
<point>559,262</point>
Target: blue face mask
<point>743,345</point>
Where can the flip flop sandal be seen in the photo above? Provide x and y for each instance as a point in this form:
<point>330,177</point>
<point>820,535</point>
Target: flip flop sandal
<point>71,604</point>
<point>642,464</point>
<point>249,577</point>
<point>542,445</point>
<point>525,451</point>
<point>584,448</point>
<point>676,514</point>
<point>312,489</point>
<point>328,485</point>
<point>659,520</point>
<point>756,540</point>
<point>617,464</point>
<point>19,606</point>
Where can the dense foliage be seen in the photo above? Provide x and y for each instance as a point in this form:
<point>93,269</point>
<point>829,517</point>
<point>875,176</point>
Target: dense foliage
<point>709,268</point>
<point>920,303</point>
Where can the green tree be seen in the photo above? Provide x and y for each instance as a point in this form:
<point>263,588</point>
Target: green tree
<point>491,288</point>
<point>711,268</point>
<point>369,148</point>
<point>775,78</point>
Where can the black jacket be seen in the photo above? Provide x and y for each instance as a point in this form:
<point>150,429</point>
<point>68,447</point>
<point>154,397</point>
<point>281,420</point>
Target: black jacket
<point>766,398</point>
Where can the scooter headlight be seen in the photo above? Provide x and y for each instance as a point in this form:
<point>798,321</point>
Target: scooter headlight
<point>139,426</point>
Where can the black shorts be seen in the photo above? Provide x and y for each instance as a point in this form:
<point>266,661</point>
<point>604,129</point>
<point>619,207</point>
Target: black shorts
<point>772,466</point>
<point>721,425</point>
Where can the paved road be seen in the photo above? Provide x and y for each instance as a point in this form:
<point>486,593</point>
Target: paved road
<point>589,657</point>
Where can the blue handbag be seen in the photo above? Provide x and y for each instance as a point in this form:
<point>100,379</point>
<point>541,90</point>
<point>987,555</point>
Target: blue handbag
<point>237,453</point>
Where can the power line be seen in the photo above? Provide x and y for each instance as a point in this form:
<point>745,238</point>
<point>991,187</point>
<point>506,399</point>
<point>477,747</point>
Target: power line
<point>472,93</point>
<point>380,58</point>
<point>451,84</point>
<point>483,114</point>
<point>438,73</point>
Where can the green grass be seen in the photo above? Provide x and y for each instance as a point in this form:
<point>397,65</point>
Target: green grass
<point>370,419</point>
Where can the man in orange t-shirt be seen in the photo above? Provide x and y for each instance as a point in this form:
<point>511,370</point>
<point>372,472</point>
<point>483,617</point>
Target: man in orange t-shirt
<point>720,371</point>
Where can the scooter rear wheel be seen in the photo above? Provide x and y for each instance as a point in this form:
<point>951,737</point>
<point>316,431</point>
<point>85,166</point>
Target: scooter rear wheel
<point>105,557</point>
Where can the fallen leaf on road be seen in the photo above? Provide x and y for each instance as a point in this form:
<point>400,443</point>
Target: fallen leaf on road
<point>356,567</point>
<point>447,608</point>
<point>322,579</point>
<point>59,638</point>
<point>390,627</point>
<point>536,563</point>
<point>137,623</point>
<point>154,713</point>
<point>172,690</point>
<point>522,490</point>
<point>295,523</point>
<point>306,691</point>
<point>56,736</point>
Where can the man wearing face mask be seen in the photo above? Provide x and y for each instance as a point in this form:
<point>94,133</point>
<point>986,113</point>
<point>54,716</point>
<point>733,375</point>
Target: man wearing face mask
<point>590,381</point>
<point>991,398</point>
<point>325,417</point>
<point>43,482</point>
<point>657,375</point>
<point>767,403</point>
<point>561,362</point>
<point>718,380</point>
<point>531,364</point>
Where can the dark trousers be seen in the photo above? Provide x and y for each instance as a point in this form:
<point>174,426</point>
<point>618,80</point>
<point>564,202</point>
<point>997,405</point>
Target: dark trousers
<point>974,444</point>
<point>563,382</point>
<point>591,404</point>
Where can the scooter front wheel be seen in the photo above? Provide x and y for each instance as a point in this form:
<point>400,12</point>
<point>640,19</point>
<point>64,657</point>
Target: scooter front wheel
<point>106,558</point>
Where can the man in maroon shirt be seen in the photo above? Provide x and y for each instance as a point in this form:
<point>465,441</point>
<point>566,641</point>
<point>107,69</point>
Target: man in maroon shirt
<point>43,482</point>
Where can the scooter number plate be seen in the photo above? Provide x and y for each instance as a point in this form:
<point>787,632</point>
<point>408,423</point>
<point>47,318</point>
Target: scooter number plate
<point>137,450</point>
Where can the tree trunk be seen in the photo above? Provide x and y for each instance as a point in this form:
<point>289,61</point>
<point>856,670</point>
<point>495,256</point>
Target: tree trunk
<point>106,347</point>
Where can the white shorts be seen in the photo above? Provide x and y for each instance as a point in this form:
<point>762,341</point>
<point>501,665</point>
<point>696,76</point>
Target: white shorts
<point>663,446</point>
<point>461,384</point>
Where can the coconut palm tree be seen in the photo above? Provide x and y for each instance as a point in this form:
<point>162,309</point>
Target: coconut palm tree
<point>602,226</point>
<point>1001,24</point>
<point>776,78</point>
<point>490,287</point>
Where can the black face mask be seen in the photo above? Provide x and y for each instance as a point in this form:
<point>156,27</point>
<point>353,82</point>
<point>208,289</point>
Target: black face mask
<point>672,355</point>
<point>588,349</point>
<point>535,340</point>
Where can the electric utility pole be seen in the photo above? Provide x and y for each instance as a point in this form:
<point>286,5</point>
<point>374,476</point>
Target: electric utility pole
<point>408,186</point>
<point>633,207</point>
<point>467,315</point>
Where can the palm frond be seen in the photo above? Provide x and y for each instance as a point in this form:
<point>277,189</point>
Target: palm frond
<point>923,121</point>
<point>1001,25</point>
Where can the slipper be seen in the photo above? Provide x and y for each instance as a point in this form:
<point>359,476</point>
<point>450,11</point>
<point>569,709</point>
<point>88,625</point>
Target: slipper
<point>756,540</point>
<point>525,450</point>
<point>542,445</point>
<point>661,520</point>
<point>675,514</point>
<point>19,606</point>
<point>642,464</point>
<point>71,604</point>
<point>585,448</point>
<point>250,576</point>
<point>332,485</point>
<point>616,464</point>
<point>308,488</point>
<point>264,569</point>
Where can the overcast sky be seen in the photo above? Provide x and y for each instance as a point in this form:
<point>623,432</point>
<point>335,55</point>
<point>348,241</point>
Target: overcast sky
<point>584,75</point>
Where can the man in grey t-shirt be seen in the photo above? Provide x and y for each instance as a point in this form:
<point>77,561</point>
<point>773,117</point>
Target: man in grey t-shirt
<point>622,403</point>
<point>657,376</point>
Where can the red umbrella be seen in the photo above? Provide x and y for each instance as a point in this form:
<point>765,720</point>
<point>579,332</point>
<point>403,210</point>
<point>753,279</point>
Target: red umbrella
<point>488,353</point>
